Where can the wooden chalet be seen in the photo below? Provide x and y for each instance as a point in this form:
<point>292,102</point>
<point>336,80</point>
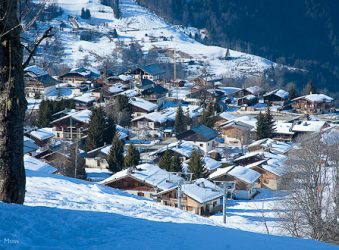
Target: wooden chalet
<point>152,72</point>
<point>145,180</point>
<point>201,136</point>
<point>313,104</point>
<point>201,197</point>
<point>71,124</point>
<point>38,82</point>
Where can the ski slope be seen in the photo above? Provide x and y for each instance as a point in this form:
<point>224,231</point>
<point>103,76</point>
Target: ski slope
<point>64,213</point>
<point>150,31</point>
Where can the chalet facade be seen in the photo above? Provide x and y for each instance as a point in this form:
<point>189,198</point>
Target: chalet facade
<point>71,125</point>
<point>201,197</point>
<point>145,180</point>
<point>313,104</point>
<point>202,136</point>
<point>151,72</point>
<point>38,82</point>
<point>141,107</point>
<point>276,97</point>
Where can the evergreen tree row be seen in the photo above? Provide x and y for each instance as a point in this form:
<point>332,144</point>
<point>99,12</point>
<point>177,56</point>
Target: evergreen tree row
<point>47,108</point>
<point>85,13</point>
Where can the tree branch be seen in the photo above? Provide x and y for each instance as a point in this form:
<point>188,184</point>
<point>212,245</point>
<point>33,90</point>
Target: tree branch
<point>46,34</point>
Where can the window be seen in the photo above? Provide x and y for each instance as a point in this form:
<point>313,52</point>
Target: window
<point>201,145</point>
<point>141,194</point>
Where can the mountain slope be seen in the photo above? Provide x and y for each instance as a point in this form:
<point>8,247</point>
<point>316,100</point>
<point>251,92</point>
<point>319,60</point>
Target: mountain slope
<point>139,25</point>
<point>64,213</point>
<point>303,34</point>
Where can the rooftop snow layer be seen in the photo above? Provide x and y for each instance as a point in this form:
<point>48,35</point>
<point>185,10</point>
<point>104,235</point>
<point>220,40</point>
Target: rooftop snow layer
<point>34,164</point>
<point>244,174</point>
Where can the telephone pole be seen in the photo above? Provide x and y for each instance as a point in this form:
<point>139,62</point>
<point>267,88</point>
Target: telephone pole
<point>228,187</point>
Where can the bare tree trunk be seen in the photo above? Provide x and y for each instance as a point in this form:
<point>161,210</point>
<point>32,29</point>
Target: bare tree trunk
<point>12,105</point>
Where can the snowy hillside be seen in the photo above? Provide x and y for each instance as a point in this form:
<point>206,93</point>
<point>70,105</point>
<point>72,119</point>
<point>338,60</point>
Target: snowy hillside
<point>140,25</point>
<point>64,213</point>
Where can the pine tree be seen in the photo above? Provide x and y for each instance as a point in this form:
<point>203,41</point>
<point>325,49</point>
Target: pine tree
<point>309,88</point>
<point>133,156</point>
<point>115,157</point>
<point>101,129</point>
<point>292,92</point>
<point>166,160</point>
<point>175,164</point>
<point>265,125</point>
<point>261,126</point>
<point>195,165</point>
<point>269,123</point>
<point>115,33</point>
<point>179,123</point>
<point>207,117</point>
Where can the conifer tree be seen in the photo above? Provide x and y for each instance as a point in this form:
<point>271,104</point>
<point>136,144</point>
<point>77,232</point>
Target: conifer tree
<point>101,129</point>
<point>309,88</point>
<point>179,123</point>
<point>133,156</point>
<point>261,126</point>
<point>265,125</point>
<point>175,164</point>
<point>269,123</point>
<point>166,160</point>
<point>292,92</point>
<point>115,157</point>
<point>195,165</point>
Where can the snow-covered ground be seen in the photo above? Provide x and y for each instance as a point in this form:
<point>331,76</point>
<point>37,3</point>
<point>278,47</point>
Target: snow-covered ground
<point>255,215</point>
<point>150,31</point>
<point>64,213</point>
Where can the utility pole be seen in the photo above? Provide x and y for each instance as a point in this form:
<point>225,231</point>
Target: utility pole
<point>228,186</point>
<point>224,200</point>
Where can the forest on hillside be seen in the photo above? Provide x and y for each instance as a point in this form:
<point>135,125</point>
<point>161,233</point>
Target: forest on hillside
<point>302,33</point>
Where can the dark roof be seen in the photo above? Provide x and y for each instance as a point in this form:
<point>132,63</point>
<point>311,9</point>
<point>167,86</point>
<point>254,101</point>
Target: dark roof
<point>70,74</point>
<point>153,69</point>
<point>147,82</point>
<point>199,133</point>
<point>157,89</point>
<point>47,80</point>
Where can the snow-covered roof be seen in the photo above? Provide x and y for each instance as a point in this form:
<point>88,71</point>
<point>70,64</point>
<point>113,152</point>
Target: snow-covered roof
<point>83,115</point>
<point>154,117</point>
<point>36,70</point>
<point>149,173</point>
<point>130,93</point>
<point>97,174</point>
<point>29,145</point>
<point>85,98</point>
<point>229,90</point>
<point>125,77</point>
<point>211,164</point>
<point>274,166</point>
<point>315,98</point>
<point>220,172</point>
<point>115,89</point>
<point>144,104</point>
<point>308,126</point>
<point>183,148</point>
<point>42,134</point>
<point>227,116</point>
<point>278,92</point>
<point>282,127</point>
<point>202,190</point>
<point>255,90</point>
<point>270,144</point>
<point>34,164</point>
<point>244,174</point>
